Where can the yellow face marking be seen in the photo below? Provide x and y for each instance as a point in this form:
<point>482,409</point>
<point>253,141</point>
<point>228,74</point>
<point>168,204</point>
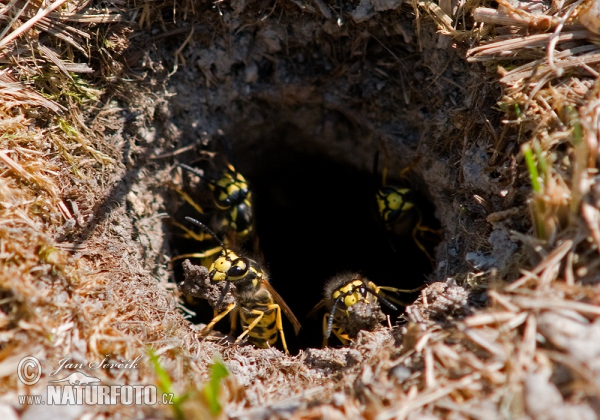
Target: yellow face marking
<point>222,264</point>
<point>240,180</point>
<point>350,300</point>
<point>350,293</point>
<point>392,202</point>
<point>233,188</point>
<point>225,181</point>
<point>395,201</point>
<point>381,204</point>
<point>218,276</point>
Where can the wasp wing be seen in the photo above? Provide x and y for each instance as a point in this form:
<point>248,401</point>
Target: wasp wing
<point>314,311</point>
<point>286,309</point>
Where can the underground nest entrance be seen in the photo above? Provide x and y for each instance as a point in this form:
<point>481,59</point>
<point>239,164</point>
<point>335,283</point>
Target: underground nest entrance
<point>316,218</point>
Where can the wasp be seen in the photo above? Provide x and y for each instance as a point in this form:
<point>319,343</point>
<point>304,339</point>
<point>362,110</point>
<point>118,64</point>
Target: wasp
<point>258,304</point>
<point>397,208</point>
<point>352,302</point>
<point>231,195</point>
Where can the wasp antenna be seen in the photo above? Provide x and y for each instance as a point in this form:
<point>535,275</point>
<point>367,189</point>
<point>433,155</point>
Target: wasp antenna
<point>207,230</point>
<point>227,148</point>
<point>376,162</point>
<point>376,185</point>
<point>195,172</point>
<point>330,320</point>
<point>223,294</point>
<point>384,300</point>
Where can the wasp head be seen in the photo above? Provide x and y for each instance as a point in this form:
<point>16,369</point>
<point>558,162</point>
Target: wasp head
<point>350,293</point>
<point>392,202</point>
<point>229,267</point>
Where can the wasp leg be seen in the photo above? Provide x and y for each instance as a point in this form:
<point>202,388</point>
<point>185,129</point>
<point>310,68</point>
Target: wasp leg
<point>344,338</point>
<point>251,325</point>
<point>405,171</point>
<point>233,317</point>
<point>200,255</point>
<point>423,228</point>
<point>189,200</point>
<point>396,290</point>
<point>420,245</point>
<point>420,227</point>
<point>279,324</point>
<point>217,319</point>
<point>191,234</point>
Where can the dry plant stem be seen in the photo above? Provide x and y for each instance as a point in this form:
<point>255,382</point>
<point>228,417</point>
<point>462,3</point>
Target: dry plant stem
<point>177,53</point>
<point>15,166</point>
<point>551,260</point>
<point>401,411</point>
<point>528,343</point>
<point>591,216</point>
<point>507,48</point>
<point>497,17</point>
<point>79,18</point>
<point>527,70</point>
<point>502,300</point>
<point>569,275</point>
<point>29,24</point>
<point>429,369</point>
<point>542,303</point>
<point>443,20</point>
<point>324,9</point>
<point>491,318</point>
<point>554,39</point>
<point>14,19</point>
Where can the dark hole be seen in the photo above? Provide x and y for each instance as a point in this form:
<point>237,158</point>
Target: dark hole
<point>316,218</point>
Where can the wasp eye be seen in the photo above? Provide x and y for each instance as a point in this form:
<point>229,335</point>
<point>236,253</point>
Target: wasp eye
<point>238,268</point>
<point>236,271</point>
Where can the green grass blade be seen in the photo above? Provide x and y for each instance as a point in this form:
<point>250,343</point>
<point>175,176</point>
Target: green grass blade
<point>532,167</point>
<point>218,371</point>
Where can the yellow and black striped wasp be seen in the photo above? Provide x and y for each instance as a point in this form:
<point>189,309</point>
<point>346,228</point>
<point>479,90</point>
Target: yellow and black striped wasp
<point>352,302</point>
<point>397,208</point>
<point>259,306</point>
<point>232,196</point>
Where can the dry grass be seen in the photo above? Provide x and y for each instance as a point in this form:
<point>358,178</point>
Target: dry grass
<point>75,284</point>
